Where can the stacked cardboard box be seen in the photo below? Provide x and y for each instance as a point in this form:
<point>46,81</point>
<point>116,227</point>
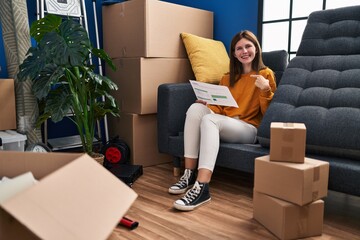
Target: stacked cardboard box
<point>9,138</point>
<point>7,104</point>
<point>143,39</point>
<point>288,186</point>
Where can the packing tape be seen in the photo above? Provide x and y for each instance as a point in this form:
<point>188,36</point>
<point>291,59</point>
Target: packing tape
<point>303,223</point>
<point>316,178</point>
<point>123,51</point>
<point>289,125</point>
<point>122,10</point>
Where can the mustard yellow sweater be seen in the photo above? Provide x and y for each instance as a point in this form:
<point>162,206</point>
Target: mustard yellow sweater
<point>251,100</point>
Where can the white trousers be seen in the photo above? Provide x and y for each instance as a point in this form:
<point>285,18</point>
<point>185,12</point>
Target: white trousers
<point>204,129</point>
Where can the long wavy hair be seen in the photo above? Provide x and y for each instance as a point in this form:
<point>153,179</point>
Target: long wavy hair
<point>236,68</point>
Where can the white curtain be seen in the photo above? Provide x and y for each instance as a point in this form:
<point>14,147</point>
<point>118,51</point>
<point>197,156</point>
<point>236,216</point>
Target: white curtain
<point>16,36</point>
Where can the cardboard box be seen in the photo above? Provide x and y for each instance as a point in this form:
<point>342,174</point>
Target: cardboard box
<point>287,220</point>
<point>151,28</point>
<point>75,198</point>
<point>292,182</point>
<point>7,104</point>
<point>287,142</point>
<point>138,80</point>
<point>12,141</point>
<point>140,133</point>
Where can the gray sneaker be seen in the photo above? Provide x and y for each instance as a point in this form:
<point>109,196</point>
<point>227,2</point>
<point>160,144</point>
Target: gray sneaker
<point>195,197</point>
<point>186,181</point>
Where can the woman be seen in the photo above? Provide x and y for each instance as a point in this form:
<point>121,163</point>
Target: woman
<point>252,85</point>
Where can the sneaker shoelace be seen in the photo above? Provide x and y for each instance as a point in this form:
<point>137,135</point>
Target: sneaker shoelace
<point>192,194</point>
<point>184,180</point>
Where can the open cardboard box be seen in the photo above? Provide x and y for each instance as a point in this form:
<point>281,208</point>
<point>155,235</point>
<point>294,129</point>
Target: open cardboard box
<point>75,198</point>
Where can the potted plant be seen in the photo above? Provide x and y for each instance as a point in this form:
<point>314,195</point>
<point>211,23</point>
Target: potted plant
<point>63,80</point>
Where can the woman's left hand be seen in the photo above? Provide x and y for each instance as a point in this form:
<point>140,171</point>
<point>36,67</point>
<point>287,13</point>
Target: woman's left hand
<point>261,82</point>
<point>201,101</point>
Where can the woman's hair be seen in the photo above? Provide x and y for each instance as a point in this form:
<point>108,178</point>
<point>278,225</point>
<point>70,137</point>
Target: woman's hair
<point>236,68</point>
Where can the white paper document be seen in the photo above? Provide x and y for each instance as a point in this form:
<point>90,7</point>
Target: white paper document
<point>11,186</point>
<point>213,94</point>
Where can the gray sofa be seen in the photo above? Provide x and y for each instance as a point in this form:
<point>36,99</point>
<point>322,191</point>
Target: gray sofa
<point>320,87</point>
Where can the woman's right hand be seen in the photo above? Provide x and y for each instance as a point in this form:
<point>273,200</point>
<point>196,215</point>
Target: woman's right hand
<point>201,101</point>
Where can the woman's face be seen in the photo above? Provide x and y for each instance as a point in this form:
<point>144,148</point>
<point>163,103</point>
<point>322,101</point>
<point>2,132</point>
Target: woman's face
<point>245,51</point>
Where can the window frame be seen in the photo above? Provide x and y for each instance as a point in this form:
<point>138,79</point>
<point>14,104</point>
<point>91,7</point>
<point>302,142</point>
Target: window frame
<point>289,20</point>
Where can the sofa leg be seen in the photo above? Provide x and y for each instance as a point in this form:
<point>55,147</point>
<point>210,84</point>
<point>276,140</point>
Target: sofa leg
<point>177,169</point>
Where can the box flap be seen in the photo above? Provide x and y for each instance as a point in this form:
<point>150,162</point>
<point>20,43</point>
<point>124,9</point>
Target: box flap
<point>82,200</point>
<point>15,163</point>
<point>288,125</point>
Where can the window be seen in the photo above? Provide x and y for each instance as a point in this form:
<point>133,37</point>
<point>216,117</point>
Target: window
<point>282,22</point>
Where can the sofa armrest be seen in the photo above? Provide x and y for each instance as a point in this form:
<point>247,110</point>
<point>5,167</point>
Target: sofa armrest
<point>173,101</point>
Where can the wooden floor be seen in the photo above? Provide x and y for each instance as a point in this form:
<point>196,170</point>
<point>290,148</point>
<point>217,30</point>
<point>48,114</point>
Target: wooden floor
<point>229,215</point>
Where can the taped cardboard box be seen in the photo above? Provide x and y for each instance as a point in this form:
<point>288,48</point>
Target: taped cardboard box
<point>287,220</point>
<point>75,198</point>
<point>287,142</point>
<point>151,28</point>
<point>7,104</point>
<point>140,133</point>
<point>139,78</point>
<point>293,182</point>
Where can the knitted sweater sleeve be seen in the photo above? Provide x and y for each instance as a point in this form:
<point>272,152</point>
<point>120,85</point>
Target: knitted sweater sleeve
<point>265,97</point>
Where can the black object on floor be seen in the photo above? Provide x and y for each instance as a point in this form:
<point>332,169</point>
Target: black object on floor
<point>116,151</point>
<point>127,173</point>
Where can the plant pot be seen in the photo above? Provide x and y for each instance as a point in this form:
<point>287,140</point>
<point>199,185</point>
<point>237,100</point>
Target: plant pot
<point>98,157</point>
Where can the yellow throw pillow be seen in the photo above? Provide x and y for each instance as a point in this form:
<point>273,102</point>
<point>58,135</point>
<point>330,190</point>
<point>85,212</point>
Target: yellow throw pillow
<point>209,59</point>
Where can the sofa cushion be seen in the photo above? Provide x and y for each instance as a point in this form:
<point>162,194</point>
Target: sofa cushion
<point>277,61</point>
<point>321,85</point>
<point>209,59</point>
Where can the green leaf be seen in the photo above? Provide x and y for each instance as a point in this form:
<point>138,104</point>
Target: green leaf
<point>100,53</point>
<point>104,81</point>
<point>58,103</point>
<point>48,77</point>
<point>68,47</point>
<point>45,25</point>
<point>42,118</point>
<point>110,99</point>
<point>75,44</point>
<point>103,108</point>
<point>32,65</point>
